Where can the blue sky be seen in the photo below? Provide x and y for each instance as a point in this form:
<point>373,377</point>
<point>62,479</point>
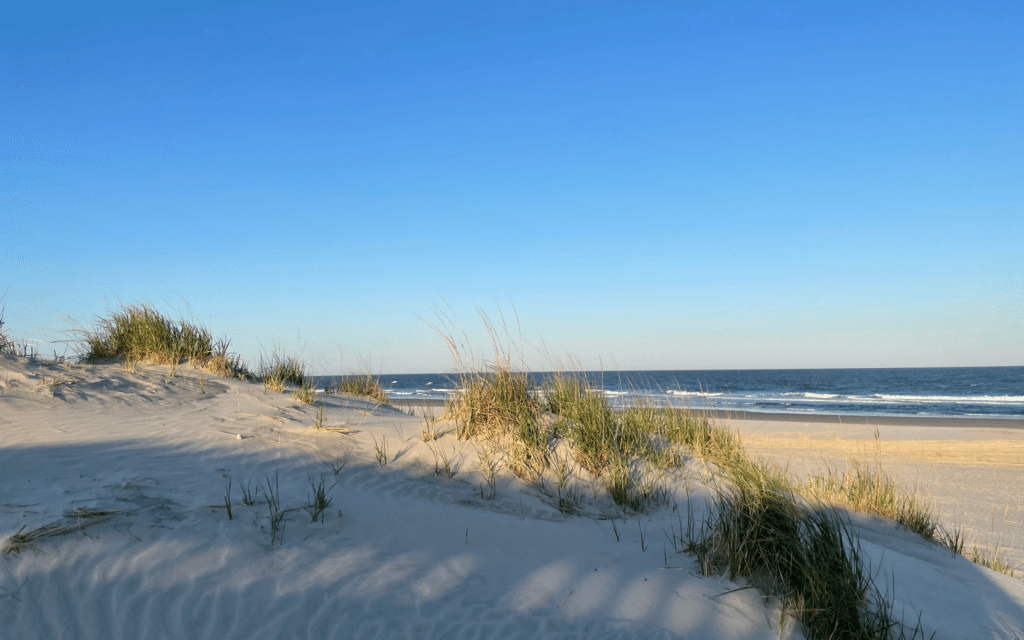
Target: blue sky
<point>652,185</point>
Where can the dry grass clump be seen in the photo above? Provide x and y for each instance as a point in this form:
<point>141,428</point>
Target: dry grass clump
<point>139,333</point>
<point>74,520</point>
<point>363,384</point>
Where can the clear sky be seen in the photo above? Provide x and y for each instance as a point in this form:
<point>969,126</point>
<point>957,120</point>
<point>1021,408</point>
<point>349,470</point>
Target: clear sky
<point>652,185</point>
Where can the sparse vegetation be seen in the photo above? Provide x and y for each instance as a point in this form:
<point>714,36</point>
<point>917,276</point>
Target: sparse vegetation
<point>995,561</point>
<point>381,450</point>
<point>489,469</point>
<point>248,494</point>
<point>273,495</point>
<point>8,345</point>
<point>319,502</point>
<point>428,430</point>
<point>446,462</point>
<point>318,419</point>
<point>336,465</point>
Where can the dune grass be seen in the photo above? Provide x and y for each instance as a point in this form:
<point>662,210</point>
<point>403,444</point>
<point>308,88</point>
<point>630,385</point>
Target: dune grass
<point>869,490</point>
<point>305,393</point>
<point>319,502</point>
<point>362,384</point>
<point>808,558</point>
<point>140,333</point>
<point>277,370</point>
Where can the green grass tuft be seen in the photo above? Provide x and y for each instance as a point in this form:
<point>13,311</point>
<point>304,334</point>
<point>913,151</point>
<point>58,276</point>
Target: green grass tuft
<point>807,558</point>
<point>363,384</point>
<point>140,333</point>
<point>277,370</point>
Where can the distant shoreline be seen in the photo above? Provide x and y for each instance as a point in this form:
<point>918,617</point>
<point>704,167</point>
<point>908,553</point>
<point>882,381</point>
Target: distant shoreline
<point>815,418</point>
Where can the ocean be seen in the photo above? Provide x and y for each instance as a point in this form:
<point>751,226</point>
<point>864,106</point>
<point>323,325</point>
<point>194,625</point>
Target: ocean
<point>954,392</point>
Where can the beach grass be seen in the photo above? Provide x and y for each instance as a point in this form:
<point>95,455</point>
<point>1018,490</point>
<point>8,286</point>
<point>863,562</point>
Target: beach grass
<point>380,450</point>
<point>336,464</point>
<point>362,384</point>
<point>140,333</point>
<point>869,490</point>
<point>277,515</point>
<point>428,430</point>
<point>249,495</point>
<point>807,559</point>
<point>319,502</point>
<point>305,393</point>
<point>277,370</point>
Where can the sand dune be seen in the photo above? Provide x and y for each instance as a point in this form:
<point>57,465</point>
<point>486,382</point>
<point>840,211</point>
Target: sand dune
<point>401,552</point>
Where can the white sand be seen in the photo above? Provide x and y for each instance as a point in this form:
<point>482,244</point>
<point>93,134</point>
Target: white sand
<point>402,553</point>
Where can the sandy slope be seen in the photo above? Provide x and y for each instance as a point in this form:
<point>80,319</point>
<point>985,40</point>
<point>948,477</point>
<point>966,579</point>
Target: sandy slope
<point>401,552</point>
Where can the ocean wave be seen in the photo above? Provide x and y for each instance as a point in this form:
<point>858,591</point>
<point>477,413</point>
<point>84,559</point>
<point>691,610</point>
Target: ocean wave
<point>813,396</point>
<point>702,394</point>
<point>957,399</point>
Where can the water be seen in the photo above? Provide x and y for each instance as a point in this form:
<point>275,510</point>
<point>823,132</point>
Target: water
<point>985,392</point>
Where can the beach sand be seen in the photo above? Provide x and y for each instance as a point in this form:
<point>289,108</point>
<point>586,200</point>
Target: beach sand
<point>402,551</point>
